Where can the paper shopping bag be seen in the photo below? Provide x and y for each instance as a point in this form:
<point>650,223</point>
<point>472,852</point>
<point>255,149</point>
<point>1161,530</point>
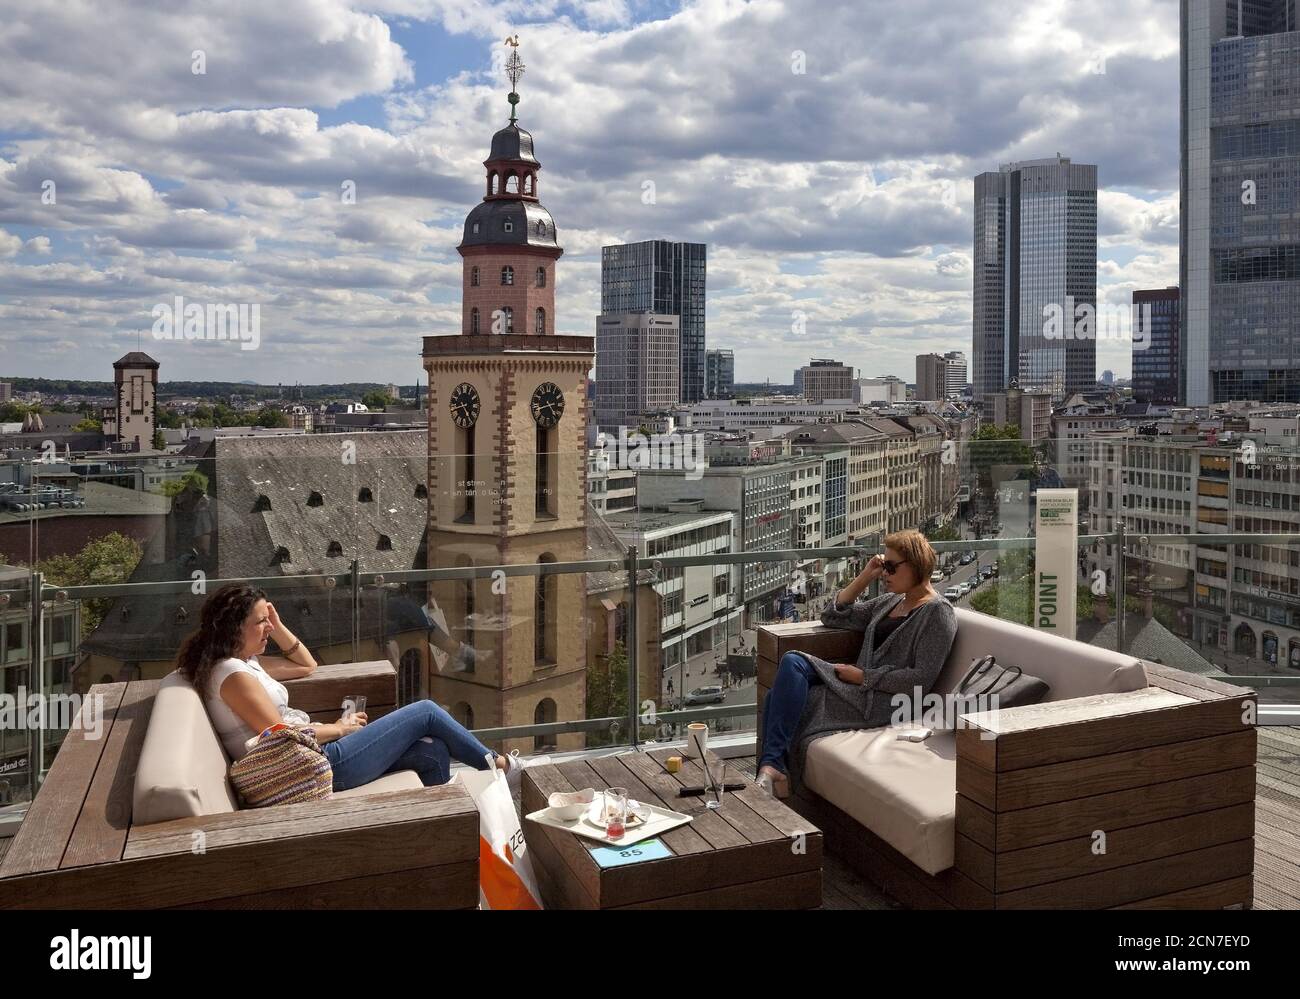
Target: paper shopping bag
<point>505,875</point>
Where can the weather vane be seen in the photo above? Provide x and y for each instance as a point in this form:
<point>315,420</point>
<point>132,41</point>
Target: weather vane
<point>514,70</point>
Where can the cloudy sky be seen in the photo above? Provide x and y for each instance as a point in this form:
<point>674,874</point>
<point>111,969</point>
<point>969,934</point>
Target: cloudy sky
<point>824,152</point>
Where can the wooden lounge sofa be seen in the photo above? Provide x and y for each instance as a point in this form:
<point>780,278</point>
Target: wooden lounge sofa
<point>143,817</point>
<point>1132,785</point>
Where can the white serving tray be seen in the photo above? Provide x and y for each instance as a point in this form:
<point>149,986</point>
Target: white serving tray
<point>659,821</point>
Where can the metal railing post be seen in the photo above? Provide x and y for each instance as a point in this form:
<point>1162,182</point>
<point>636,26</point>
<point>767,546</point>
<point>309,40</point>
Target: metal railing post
<point>1121,588</point>
<point>36,754</point>
<point>633,648</point>
<point>354,590</point>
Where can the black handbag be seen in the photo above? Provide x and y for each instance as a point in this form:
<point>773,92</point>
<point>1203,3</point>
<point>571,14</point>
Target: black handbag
<point>991,685</point>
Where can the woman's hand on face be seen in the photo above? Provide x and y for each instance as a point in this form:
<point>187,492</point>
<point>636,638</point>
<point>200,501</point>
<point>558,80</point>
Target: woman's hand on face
<point>875,568</point>
<point>273,618</point>
<point>849,674</point>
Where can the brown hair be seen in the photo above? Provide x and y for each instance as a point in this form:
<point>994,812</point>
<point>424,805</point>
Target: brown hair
<point>916,552</point>
<point>220,628</point>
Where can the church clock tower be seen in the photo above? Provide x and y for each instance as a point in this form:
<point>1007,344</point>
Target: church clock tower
<point>507,462</point>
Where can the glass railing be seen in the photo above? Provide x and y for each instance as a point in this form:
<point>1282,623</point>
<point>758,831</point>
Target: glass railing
<point>550,609</point>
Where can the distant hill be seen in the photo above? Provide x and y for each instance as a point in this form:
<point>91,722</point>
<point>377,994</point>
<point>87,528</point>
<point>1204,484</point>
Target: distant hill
<point>208,390</point>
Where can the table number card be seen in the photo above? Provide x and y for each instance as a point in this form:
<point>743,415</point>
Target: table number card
<point>635,853</point>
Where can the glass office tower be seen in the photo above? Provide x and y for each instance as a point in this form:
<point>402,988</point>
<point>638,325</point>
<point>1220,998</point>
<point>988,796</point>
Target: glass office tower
<point>1240,201</point>
<point>1035,250</point>
<point>665,278</point>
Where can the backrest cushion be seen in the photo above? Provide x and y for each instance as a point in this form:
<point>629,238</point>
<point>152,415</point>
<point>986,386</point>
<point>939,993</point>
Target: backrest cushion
<point>183,767</point>
<point>1072,669</point>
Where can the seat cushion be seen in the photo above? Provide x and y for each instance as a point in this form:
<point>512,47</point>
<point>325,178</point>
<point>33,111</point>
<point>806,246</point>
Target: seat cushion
<point>1070,668</point>
<point>182,767</point>
<point>402,780</point>
<point>904,792</point>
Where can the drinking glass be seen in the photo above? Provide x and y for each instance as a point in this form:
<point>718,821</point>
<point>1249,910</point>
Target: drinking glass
<point>352,704</point>
<point>713,787</point>
<point>615,812</point>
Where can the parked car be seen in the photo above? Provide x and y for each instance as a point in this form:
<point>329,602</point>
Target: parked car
<point>936,576</point>
<point>974,582</point>
<point>705,695</point>
<point>952,593</point>
<point>968,558</point>
<point>963,589</point>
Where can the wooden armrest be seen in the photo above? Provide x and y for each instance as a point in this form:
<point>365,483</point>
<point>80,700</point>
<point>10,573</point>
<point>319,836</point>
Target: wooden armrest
<point>1079,727</point>
<point>326,688</point>
<point>832,644</point>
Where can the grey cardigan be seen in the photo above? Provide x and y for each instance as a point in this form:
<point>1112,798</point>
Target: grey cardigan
<point>911,656</point>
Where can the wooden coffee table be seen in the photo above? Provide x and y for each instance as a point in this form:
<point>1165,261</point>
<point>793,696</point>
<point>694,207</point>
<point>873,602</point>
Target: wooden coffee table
<point>752,853</point>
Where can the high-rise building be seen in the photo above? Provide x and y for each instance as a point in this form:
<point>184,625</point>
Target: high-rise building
<point>1035,259</point>
<point>719,374</point>
<point>1155,346</point>
<point>666,278</point>
<point>638,367</point>
<point>940,376</point>
<point>824,379</point>
<point>1108,377</point>
<point>1239,261</point>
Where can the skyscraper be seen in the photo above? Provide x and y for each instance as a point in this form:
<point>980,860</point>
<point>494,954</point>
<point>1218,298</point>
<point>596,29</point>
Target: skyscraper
<point>1155,346</point>
<point>638,368</point>
<point>665,278</point>
<point>719,374</point>
<point>940,376</point>
<point>1239,195</point>
<point>1035,251</point>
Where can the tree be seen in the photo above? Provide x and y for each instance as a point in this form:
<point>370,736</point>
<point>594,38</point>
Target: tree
<point>944,533</point>
<point>14,412</point>
<point>103,561</point>
<point>607,692</point>
<point>269,416</point>
<point>175,487</point>
<point>168,418</point>
<point>159,442</point>
<point>87,426</point>
<point>379,399</point>
<point>997,445</point>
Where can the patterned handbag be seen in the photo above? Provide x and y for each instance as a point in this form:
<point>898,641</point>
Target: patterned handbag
<point>286,765</point>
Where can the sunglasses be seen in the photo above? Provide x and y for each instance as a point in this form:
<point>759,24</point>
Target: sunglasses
<point>890,567</point>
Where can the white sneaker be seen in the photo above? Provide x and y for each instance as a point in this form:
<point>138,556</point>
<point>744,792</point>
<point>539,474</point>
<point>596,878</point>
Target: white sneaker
<point>517,766</point>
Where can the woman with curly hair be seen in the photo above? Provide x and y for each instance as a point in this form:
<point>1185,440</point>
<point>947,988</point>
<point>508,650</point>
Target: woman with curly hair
<point>243,692</point>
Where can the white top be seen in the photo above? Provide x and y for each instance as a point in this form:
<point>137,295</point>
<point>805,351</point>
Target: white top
<point>234,734</point>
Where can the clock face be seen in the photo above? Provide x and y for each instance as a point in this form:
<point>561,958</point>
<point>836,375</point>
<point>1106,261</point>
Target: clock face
<point>464,405</point>
<point>548,404</point>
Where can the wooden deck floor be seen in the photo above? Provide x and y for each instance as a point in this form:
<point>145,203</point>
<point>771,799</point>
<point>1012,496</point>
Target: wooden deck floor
<point>1277,833</point>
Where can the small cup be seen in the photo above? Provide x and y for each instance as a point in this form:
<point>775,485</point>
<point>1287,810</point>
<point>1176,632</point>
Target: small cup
<point>697,740</point>
<point>352,704</point>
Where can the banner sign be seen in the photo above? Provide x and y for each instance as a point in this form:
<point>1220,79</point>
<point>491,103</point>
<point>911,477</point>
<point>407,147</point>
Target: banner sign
<point>1056,560</point>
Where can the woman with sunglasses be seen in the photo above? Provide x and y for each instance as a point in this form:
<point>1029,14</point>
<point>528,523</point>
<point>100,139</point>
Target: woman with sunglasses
<point>907,634</point>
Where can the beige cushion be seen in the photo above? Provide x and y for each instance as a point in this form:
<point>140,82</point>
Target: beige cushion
<point>182,768</point>
<point>904,792</point>
<point>403,780</point>
<point>1072,669</point>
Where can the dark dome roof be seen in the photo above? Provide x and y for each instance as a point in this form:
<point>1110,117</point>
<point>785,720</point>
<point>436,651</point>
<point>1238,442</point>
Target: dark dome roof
<point>135,359</point>
<point>512,143</point>
<point>525,218</point>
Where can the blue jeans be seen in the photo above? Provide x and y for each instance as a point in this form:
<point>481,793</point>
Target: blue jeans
<point>783,707</point>
<point>420,737</point>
